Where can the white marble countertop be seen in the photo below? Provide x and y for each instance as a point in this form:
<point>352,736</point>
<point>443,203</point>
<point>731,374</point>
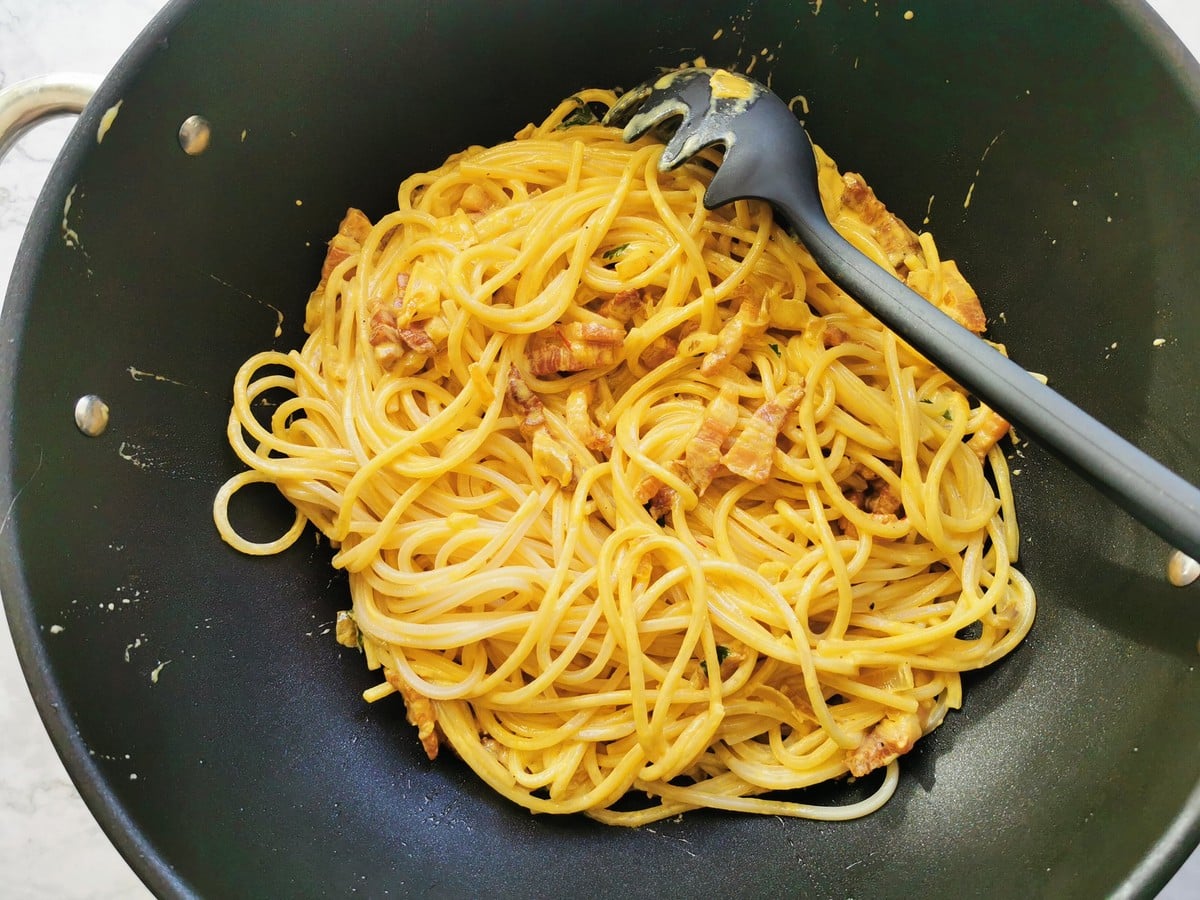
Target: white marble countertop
<point>50,846</point>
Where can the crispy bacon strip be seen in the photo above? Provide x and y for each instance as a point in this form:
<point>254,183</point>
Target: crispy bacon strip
<point>832,336</point>
<point>417,339</point>
<point>420,712</point>
<point>647,488</point>
<point>550,458</point>
<point>895,238</point>
<point>883,504</point>
<point>894,735</point>
<point>991,430</point>
<point>702,456</point>
<point>660,350</point>
<point>899,242</point>
<point>661,502</point>
<point>352,231</point>
<point>383,334</point>
<point>881,499</point>
<point>958,300</point>
<point>657,497</point>
<point>750,320</point>
<point>579,419</point>
<point>528,404</point>
<point>574,347</point>
<point>752,453</point>
<point>623,305</point>
<point>390,339</point>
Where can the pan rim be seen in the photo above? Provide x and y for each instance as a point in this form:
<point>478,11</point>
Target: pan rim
<point>1145,880</point>
<point>130,840</point>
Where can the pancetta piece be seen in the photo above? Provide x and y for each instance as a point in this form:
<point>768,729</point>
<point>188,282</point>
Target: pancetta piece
<point>661,350</point>
<point>958,299</point>
<point>574,347</point>
<point>750,320</point>
<point>990,431</point>
<point>623,305</point>
<point>392,334</point>
<point>579,419</point>
<point>702,456</point>
<point>879,500</point>
<point>753,451</point>
<point>550,458</point>
<point>420,710</point>
<point>832,336</point>
<point>895,238</point>
<point>893,736</point>
<point>352,231</point>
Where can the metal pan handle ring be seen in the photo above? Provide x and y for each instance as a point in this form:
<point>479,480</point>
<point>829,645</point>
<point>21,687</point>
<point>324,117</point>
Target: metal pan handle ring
<point>26,103</point>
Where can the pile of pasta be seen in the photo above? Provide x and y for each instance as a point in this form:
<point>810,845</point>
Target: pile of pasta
<point>640,512</point>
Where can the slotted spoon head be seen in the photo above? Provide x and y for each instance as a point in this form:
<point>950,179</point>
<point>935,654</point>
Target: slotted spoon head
<point>767,152</point>
<point>768,156</point>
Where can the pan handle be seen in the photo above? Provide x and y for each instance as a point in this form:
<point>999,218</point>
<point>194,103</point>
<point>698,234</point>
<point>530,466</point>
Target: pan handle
<point>26,103</point>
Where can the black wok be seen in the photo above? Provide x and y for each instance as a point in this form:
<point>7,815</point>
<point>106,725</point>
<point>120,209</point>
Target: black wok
<point>1073,768</point>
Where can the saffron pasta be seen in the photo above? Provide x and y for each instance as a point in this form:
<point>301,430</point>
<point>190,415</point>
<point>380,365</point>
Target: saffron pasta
<point>640,512</point>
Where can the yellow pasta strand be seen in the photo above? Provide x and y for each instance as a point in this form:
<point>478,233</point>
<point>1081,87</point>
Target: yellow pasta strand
<point>635,503</point>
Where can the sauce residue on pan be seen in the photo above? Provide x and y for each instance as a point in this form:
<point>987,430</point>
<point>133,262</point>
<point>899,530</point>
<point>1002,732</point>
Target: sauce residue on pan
<point>69,234</point>
<point>106,121</point>
<point>726,85</point>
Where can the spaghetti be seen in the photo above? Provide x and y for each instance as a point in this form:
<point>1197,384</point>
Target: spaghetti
<point>634,502</point>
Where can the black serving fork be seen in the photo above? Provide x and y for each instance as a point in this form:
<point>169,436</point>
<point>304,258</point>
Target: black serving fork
<point>769,156</point>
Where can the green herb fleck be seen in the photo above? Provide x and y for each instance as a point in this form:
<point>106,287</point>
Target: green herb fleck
<point>615,251</point>
<point>775,349</point>
<point>722,655</point>
<point>583,115</point>
<point>930,402</point>
<point>946,415</point>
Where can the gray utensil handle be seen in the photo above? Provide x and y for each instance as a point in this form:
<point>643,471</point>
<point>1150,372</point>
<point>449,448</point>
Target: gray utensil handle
<point>1146,489</point>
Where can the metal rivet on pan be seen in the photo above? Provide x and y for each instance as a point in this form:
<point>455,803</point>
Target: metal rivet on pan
<point>1182,570</point>
<point>91,415</point>
<point>194,135</point>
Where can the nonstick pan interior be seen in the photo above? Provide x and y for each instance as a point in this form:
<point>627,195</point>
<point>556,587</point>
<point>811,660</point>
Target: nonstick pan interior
<point>1072,133</point>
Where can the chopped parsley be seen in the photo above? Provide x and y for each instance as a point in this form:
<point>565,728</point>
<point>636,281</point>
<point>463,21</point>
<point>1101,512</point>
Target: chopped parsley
<point>615,251</point>
<point>722,655</point>
<point>775,349</point>
<point>945,412</point>
<point>583,115</point>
